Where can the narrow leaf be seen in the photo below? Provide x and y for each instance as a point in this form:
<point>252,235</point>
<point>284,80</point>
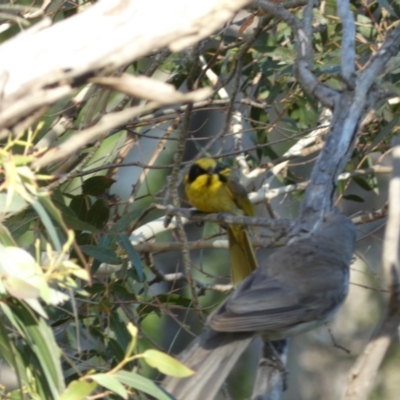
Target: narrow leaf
<point>41,340</point>
<point>110,383</point>
<point>98,214</point>
<point>166,364</point>
<point>362,183</point>
<point>383,133</point>
<point>96,185</point>
<point>126,244</point>
<point>46,221</point>
<point>101,254</point>
<point>143,384</point>
<point>78,390</point>
<point>354,197</point>
<point>5,236</point>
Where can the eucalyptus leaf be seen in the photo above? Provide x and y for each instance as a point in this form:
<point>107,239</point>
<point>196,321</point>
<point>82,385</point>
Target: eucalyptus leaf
<point>110,383</point>
<point>102,254</point>
<point>166,364</point>
<point>16,205</point>
<point>136,381</point>
<point>46,221</point>
<point>78,390</point>
<point>96,185</point>
<point>126,244</point>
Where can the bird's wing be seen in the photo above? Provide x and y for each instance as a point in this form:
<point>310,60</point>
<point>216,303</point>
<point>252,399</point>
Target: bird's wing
<point>239,195</point>
<point>271,299</point>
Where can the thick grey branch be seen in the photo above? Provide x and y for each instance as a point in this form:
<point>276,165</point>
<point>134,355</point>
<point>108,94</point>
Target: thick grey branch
<point>348,41</point>
<point>307,27</point>
<point>339,143</point>
<point>270,379</point>
<point>121,31</point>
<point>347,117</point>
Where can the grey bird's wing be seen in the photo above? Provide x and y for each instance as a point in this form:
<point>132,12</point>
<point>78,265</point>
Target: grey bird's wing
<point>272,303</point>
<point>298,287</point>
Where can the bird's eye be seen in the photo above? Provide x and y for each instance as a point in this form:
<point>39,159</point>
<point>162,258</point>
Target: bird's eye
<point>194,172</point>
<point>222,171</point>
<point>220,168</point>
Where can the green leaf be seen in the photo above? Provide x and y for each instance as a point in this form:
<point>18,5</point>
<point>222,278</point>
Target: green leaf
<point>53,211</point>
<point>174,299</point>
<point>5,236</point>
<point>96,185</point>
<point>19,224</point>
<point>96,288</point>
<point>362,183</point>
<point>40,339</point>
<point>120,330</point>
<point>9,352</point>
<point>56,215</point>
<point>20,289</point>
<point>85,238</point>
<point>341,186</point>
<point>80,205</point>
<point>98,214</point>
<point>100,253</point>
<point>16,395</point>
<point>125,222</point>
<point>110,383</point>
<point>78,225</point>
<point>17,204</point>
<point>46,221</point>
<point>126,244</point>
<point>143,384</point>
<point>71,219</point>
<point>117,351</point>
<point>78,390</point>
<point>384,132</point>
<point>123,292</point>
<point>166,364</point>
<point>22,277</point>
<point>36,306</point>
<point>385,4</point>
<point>354,197</point>
<point>105,243</point>
<point>40,356</point>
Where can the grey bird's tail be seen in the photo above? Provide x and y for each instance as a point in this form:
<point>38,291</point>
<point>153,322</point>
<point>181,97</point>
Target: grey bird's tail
<point>212,356</point>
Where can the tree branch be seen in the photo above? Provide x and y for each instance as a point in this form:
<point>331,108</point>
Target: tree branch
<point>327,96</point>
<point>348,64</point>
<point>120,32</point>
<point>363,374</point>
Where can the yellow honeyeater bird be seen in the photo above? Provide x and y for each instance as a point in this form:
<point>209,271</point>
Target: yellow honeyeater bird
<point>210,187</point>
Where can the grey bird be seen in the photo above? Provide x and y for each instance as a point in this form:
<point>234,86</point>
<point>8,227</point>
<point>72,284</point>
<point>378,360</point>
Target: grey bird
<point>297,288</point>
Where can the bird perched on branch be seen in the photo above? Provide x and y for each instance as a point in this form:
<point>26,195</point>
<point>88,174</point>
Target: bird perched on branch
<point>211,187</point>
<point>297,288</point>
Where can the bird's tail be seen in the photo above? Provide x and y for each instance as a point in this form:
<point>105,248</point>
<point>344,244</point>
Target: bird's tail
<point>212,356</point>
<point>242,257</point>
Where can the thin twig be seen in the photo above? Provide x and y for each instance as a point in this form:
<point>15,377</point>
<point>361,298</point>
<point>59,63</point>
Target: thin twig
<point>173,187</point>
